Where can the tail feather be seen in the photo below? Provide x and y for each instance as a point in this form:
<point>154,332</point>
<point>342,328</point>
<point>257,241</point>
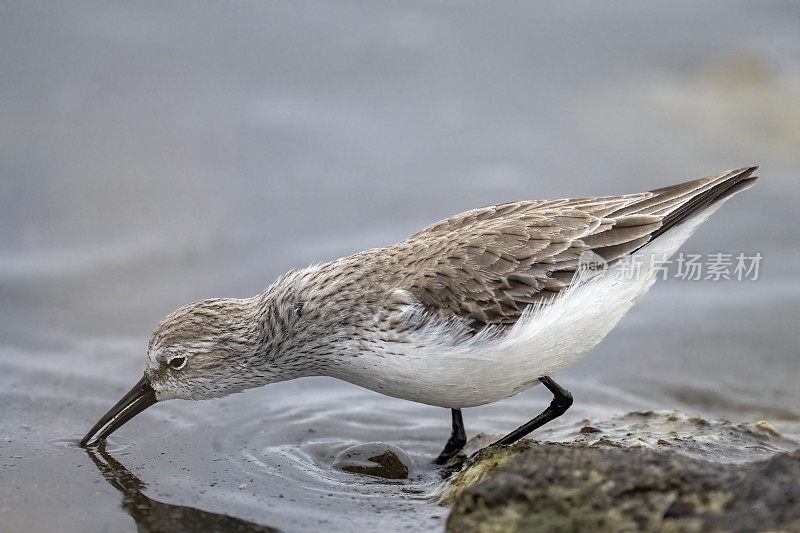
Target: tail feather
<point>677,203</point>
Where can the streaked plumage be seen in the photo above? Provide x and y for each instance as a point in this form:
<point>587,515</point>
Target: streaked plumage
<point>468,311</point>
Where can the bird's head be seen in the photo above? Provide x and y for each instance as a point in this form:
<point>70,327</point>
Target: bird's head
<point>204,350</point>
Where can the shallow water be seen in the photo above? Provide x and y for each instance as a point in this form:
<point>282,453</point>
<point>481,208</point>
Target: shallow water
<point>152,155</point>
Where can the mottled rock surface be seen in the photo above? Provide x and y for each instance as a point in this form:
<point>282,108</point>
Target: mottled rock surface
<point>602,479</point>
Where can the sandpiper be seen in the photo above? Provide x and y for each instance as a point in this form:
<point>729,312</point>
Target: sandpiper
<point>468,311</point>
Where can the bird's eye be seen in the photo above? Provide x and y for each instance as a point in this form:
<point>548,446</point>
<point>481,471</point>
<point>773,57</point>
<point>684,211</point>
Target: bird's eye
<point>177,362</point>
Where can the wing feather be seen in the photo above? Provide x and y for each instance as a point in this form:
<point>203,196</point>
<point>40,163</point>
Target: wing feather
<point>487,265</point>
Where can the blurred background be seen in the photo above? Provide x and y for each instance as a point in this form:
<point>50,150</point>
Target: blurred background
<point>153,154</point>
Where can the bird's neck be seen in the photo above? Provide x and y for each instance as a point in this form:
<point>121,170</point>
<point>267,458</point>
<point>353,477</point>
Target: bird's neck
<point>277,330</point>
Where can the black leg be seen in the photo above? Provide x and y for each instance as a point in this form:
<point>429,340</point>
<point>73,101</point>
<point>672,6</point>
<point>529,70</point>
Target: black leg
<point>457,440</point>
<point>562,399</point>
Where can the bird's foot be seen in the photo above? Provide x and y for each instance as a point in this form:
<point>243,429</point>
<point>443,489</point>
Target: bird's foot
<point>448,453</point>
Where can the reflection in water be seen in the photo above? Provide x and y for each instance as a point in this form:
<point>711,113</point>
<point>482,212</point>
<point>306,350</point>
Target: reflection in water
<point>153,515</point>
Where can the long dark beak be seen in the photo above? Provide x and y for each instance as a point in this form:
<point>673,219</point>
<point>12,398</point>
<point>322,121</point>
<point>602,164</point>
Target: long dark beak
<point>139,398</point>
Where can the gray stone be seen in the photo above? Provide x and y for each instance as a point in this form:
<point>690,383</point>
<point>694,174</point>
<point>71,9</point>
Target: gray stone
<point>374,459</point>
<point>613,484</point>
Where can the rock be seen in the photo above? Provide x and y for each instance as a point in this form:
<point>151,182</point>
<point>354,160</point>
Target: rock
<point>485,462</point>
<point>568,487</point>
<point>715,440</point>
<point>374,459</point>
<point>632,479</point>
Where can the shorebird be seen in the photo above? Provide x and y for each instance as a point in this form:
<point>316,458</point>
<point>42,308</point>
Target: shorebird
<point>468,311</point>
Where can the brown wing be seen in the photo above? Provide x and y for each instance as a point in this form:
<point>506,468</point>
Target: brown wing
<point>488,264</point>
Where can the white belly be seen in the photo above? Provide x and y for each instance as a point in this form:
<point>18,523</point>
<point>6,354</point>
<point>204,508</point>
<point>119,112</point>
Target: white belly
<point>441,365</point>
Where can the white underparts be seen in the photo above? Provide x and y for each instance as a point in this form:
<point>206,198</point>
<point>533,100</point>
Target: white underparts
<point>442,364</point>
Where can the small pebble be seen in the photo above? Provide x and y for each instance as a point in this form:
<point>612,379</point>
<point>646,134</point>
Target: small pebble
<point>374,459</point>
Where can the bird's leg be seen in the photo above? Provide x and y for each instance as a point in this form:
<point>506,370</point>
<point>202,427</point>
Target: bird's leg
<point>562,399</point>
<point>457,440</point>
